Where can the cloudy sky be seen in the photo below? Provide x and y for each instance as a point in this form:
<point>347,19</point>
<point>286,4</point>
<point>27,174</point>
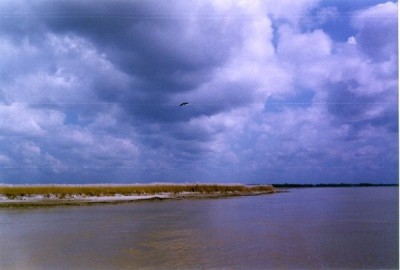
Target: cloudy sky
<point>301,91</point>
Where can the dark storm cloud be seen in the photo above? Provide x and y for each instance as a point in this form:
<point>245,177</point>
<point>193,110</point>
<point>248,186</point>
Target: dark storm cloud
<point>170,48</point>
<point>151,41</point>
<point>165,49</point>
<point>350,108</point>
<point>344,103</point>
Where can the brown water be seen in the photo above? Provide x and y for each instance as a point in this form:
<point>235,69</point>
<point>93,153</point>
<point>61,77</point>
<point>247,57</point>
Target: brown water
<point>305,228</point>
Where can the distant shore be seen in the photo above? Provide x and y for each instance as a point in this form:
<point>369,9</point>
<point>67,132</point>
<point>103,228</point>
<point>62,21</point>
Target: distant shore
<point>286,185</point>
<point>74,195</point>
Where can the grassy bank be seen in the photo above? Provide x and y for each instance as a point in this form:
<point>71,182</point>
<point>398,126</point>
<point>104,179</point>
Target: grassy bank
<point>68,191</point>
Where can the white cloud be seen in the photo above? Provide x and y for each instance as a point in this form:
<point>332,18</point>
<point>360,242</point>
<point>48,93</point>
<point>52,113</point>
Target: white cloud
<point>377,35</point>
<point>292,11</point>
<point>59,70</point>
<point>352,40</point>
<point>303,47</point>
<point>19,119</point>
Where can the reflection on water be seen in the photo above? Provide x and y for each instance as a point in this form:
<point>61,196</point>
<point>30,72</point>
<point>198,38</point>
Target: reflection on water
<point>305,228</point>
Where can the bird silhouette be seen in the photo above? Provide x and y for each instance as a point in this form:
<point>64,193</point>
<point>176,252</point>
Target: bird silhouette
<point>184,104</point>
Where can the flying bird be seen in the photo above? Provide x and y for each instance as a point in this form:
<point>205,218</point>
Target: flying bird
<point>184,104</point>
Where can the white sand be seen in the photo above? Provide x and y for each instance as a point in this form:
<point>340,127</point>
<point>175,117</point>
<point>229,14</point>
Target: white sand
<point>117,197</point>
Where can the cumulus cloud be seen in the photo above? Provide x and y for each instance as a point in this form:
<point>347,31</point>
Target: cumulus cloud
<point>351,40</point>
<point>375,30</point>
<point>90,93</point>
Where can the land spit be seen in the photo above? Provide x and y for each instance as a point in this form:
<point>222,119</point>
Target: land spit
<point>59,195</point>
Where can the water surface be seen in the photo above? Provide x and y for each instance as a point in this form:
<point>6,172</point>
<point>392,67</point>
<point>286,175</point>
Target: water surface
<point>304,228</point>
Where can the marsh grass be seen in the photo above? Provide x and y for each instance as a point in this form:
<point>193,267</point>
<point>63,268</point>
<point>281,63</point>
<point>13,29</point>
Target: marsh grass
<point>67,191</point>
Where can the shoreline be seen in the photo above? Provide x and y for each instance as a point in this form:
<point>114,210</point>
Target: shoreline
<point>83,195</point>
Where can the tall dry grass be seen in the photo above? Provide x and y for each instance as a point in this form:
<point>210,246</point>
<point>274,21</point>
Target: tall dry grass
<point>62,191</point>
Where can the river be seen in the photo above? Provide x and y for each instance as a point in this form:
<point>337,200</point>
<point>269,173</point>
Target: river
<point>310,228</point>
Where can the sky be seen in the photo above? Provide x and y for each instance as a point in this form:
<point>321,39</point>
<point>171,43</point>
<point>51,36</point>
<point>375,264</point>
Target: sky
<point>285,91</point>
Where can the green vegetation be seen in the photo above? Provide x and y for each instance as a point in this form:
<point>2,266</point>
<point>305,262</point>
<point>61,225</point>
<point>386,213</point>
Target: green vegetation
<point>67,191</point>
